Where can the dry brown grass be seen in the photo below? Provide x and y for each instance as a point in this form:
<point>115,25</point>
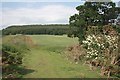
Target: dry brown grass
<point>75,52</point>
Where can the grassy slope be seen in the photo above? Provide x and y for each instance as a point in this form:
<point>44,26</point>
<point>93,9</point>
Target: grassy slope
<point>47,59</point>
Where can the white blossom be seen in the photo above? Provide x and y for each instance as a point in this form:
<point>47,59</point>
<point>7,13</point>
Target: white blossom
<point>92,40</point>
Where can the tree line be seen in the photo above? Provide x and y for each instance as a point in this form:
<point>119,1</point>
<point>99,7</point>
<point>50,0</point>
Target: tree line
<point>51,29</point>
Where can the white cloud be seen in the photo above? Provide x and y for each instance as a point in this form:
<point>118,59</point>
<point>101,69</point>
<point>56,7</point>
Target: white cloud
<point>42,0</point>
<point>55,0</point>
<point>115,0</point>
<point>44,15</point>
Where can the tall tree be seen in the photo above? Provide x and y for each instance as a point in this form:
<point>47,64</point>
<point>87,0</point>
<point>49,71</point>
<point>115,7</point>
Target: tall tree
<point>91,14</point>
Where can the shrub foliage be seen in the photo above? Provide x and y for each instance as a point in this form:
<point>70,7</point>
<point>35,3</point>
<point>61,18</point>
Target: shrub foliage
<point>13,50</point>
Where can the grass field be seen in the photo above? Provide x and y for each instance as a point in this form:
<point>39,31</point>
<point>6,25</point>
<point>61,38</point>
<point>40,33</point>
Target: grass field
<point>47,59</point>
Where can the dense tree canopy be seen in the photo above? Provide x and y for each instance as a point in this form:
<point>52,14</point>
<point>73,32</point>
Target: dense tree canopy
<point>91,14</point>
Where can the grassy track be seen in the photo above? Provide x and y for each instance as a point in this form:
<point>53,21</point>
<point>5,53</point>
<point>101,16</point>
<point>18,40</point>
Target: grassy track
<point>47,59</point>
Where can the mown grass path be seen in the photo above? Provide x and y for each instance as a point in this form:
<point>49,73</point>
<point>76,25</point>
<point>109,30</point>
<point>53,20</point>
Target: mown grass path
<point>47,59</point>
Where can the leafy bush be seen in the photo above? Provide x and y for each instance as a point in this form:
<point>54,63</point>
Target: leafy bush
<point>11,55</point>
<point>13,50</point>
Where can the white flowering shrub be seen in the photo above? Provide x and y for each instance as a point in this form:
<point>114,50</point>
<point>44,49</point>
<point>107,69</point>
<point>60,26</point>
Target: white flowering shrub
<point>93,47</point>
<point>96,45</point>
<point>103,50</point>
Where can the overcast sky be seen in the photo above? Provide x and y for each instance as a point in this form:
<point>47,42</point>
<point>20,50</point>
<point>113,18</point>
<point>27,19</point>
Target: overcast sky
<point>14,12</point>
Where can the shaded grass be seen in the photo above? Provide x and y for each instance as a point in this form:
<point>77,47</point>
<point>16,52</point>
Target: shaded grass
<point>48,61</point>
<point>17,71</point>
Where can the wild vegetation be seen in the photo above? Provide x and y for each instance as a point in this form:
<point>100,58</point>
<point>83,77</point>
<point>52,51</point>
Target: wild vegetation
<point>13,50</point>
<point>97,36</point>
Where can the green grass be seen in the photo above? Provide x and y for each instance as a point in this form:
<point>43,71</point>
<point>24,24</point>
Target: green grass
<point>47,59</point>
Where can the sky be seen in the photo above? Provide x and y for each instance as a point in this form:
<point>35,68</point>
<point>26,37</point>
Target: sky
<point>19,12</point>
